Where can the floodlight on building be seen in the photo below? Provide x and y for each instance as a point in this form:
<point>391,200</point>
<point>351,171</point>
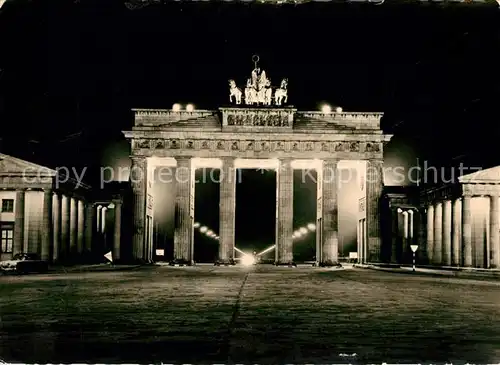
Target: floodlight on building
<point>311,227</point>
<point>203,229</point>
<point>111,205</point>
<point>327,109</point>
<point>196,225</point>
<point>176,107</point>
<point>303,230</point>
<point>189,107</point>
<point>339,109</point>
<point>400,210</point>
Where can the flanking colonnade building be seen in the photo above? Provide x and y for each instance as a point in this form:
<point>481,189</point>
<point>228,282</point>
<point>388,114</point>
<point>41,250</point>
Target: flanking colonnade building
<point>454,225</point>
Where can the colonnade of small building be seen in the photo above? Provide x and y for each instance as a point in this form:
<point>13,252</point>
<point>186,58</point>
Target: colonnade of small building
<point>459,235</point>
<point>67,225</point>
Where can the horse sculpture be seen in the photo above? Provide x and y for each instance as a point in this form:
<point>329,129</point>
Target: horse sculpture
<point>281,93</point>
<point>234,91</point>
<point>250,93</point>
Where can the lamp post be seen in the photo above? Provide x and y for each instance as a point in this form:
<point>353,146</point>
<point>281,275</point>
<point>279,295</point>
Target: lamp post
<point>414,249</point>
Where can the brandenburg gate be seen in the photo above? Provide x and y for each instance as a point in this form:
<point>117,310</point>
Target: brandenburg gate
<point>261,131</point>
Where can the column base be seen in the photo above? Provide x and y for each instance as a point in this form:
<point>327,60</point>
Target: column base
<point>227,262</point>
<point>181,262</point>
<point>330,263</point>
<point>289,264</point>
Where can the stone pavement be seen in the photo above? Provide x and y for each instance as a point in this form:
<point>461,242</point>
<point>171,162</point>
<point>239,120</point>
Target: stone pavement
<point>259,314</point>
<point>446,271</point>
<point>88,268</point>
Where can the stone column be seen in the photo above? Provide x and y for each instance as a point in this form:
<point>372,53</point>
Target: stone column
<point>118,230</point>
<point>98,218</point>
<point>430,233</point>
<point>422,239</point>
<point>19,221</point>
<point>227,206</point>
<point>138,181</point>
<point>446,253</point>
<point>374,184</point>
<point>47,225</point>
<point>494,232</point>
<point>394,234</point>
<point>73,235</point>
<point>405,246</point>
<point>65,228</point>
<point>438,234</point>
<point>81,225</point>
<point>56,212</point>
<point>466,231</point>
<point>183,234</point>
<point>455,235</point>
<point>329,254</point>
<point>89,225</point>
<point>284,241</point>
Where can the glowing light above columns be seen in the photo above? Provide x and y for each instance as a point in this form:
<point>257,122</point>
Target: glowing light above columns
<point>339,109</point>
<point>176,107</point>
<point>297,234</point>
<point>203,229</point>
<point>196,225</point>
<point>189,107</point>
<point>303,230</point>
<point>327,109</point>
<point>311,227</point>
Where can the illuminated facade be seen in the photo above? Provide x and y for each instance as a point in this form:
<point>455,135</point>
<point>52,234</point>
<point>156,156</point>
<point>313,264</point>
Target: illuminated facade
<point>257,131</point>
<point>41,214</point>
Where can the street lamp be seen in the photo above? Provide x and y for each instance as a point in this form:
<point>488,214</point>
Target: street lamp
<point>414,249</point>
<point>189,107</point>
<point>176,107</point>
<point>339,109</point>
<point>327,109</point>
<point>311,227</point>
<point>196,225</point>
<point>203,229</point>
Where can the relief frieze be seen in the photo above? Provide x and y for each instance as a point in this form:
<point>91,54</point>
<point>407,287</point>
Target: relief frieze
<point>253,119</point>
<point>235,146</point>
<point>354,147</point>
<point>142,143</point>
<point>175,144</point>
<point>340,147</point>
<point>220,145</point>
<point>159,144</point>
<point>372,147</point>
<point>205,145</point>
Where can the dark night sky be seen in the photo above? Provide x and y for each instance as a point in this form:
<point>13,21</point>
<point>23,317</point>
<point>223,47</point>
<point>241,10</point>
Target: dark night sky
<point>80,66</point>
<point>72,66</point>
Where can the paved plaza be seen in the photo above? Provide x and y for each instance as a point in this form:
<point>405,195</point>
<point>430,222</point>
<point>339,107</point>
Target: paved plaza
<point>261,314</point>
